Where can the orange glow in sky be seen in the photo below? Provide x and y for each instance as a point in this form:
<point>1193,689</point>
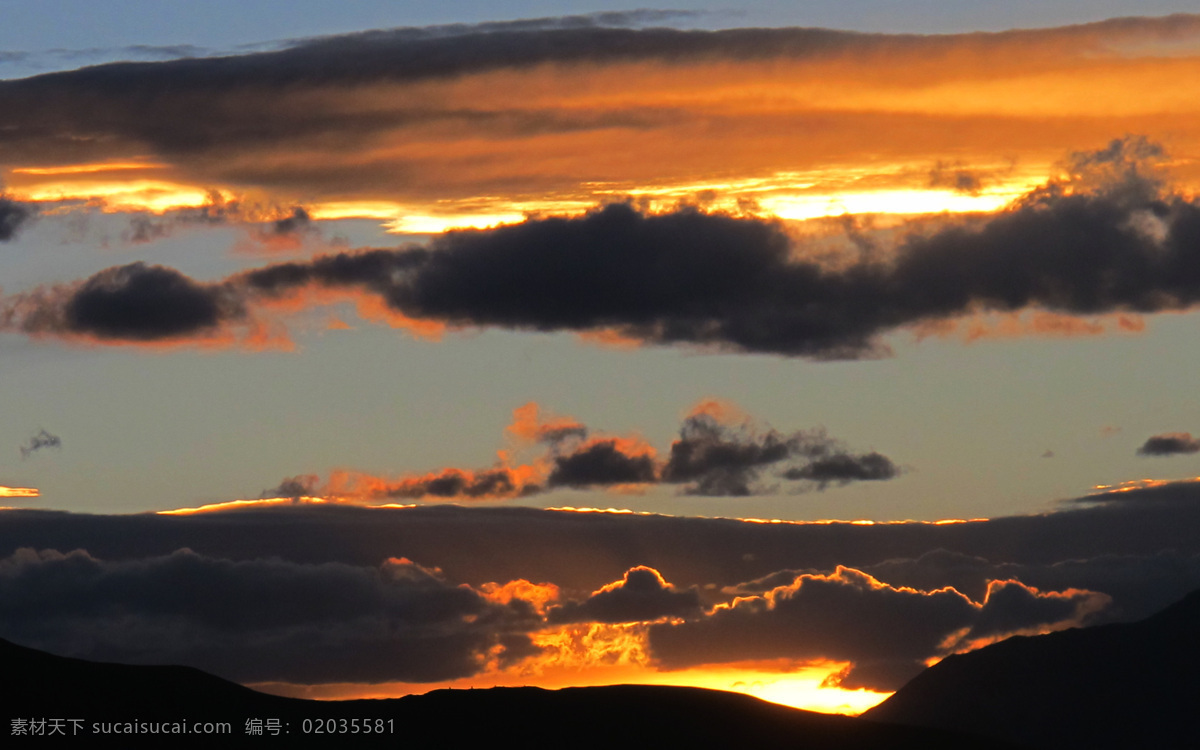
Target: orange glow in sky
<point>780,196</point>
<point>795,684</point>
<point>231,504</point>
<point>87,168</point>
<point>155,196</point>
<point>883,125</point>
<point>1138,484</point>
<point>19,492</point>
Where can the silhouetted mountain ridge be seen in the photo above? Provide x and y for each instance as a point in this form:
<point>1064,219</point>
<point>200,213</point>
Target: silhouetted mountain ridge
<point>49,687</point>
<point>1127,685</point>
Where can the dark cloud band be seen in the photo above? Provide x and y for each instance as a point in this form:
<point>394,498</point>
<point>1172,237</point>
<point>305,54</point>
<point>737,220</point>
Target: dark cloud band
<point>251,620</point>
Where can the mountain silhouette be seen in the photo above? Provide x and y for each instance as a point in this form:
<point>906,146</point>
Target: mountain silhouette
<point>46,687</point>
<point>1128,685</point>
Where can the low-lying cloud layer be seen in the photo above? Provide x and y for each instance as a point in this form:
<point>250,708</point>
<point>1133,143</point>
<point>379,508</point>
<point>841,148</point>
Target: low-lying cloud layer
<point>256,620</point>
<point>270,620</point>
<point>324,593</point>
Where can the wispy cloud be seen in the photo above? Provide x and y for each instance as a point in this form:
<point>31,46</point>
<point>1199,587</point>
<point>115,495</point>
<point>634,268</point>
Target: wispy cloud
<point>39,442</point>
<point>722,452</point>
<point>714,455</point>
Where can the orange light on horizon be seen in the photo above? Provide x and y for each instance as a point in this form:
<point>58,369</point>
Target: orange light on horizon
<point>796,684</point>
<point>614,511</point>
<point>1139,484</point>
<point>751,519</point>
<point>611,510</point>
<point>231,504</point>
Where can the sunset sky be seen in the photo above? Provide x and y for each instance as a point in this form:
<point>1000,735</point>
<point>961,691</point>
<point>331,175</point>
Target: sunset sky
<point>263,272</point>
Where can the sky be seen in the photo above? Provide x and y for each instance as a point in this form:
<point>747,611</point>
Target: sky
<point>449,265</point>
